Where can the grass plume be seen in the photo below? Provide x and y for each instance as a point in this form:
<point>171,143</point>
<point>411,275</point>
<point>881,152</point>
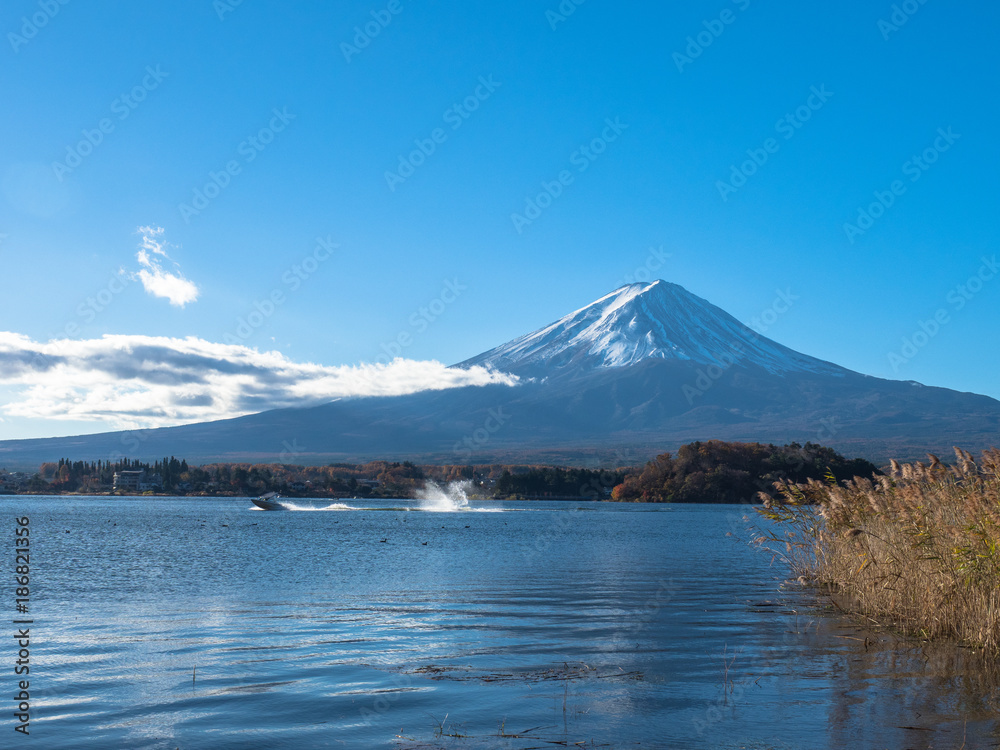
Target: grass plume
<point>917,550</point>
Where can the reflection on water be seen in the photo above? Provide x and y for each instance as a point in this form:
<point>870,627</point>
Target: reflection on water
<point>199,623</point>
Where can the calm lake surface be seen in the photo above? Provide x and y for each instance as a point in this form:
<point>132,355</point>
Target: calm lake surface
<point>204,623</point>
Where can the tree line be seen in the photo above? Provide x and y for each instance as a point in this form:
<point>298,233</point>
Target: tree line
<point>719,472</point>
<point>176,476</point>
<point>554,481</point>
<point>712,471</point>
<point>91,476</point>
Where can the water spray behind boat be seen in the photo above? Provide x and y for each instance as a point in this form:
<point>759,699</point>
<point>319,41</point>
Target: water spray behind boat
<point>454,496</point>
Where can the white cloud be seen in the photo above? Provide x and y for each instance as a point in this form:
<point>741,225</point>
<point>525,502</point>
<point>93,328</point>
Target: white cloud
<point>145,381</point>
<point>158,282</point>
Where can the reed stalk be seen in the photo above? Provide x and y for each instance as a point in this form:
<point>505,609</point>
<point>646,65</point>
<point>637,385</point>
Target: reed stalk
<point>917,550</point>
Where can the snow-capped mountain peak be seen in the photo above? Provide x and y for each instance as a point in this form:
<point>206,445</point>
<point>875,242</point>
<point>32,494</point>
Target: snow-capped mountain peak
<point>637,322</point>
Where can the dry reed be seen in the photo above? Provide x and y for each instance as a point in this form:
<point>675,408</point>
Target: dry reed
<point>917,550</point>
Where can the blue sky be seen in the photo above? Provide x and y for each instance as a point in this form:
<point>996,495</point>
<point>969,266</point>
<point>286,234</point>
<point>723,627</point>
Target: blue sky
<point>743,137</point>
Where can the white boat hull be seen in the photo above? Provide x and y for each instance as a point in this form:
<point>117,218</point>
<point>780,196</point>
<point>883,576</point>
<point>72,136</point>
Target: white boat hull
<point>268,502</point>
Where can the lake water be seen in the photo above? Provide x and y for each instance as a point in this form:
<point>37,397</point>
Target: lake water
<point>204,623</point>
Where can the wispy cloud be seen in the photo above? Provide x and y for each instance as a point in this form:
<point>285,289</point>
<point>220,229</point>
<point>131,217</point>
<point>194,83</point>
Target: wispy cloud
<point>160,283</point>
<point>146,381</point>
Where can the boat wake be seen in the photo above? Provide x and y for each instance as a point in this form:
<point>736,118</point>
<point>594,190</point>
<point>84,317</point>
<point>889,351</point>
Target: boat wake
<point>289,505</point>
<point>331,506</point>
<point>434,498</point>
<point>449,499</point>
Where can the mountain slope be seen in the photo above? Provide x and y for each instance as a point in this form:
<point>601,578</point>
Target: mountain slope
<point>639,371</point>
<point>647,321</point>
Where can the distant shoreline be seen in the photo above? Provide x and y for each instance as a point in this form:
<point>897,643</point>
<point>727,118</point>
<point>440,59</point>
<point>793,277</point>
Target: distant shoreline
<point>712,471</point>
<point>512,499</point>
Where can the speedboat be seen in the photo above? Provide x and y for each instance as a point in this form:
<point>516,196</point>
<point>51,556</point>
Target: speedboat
<point>269,502</point>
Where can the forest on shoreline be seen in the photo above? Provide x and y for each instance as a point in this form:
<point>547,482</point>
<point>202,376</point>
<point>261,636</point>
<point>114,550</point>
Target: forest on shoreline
<point>709,471</point>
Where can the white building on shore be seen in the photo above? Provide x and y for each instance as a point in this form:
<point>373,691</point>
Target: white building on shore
<point>137,481</point>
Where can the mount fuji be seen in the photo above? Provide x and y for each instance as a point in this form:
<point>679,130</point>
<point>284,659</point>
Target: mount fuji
<point>639,371</point>
<point>646,321</point>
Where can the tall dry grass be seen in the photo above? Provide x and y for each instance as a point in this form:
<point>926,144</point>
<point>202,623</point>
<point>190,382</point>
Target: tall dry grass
<point>918,550</point>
